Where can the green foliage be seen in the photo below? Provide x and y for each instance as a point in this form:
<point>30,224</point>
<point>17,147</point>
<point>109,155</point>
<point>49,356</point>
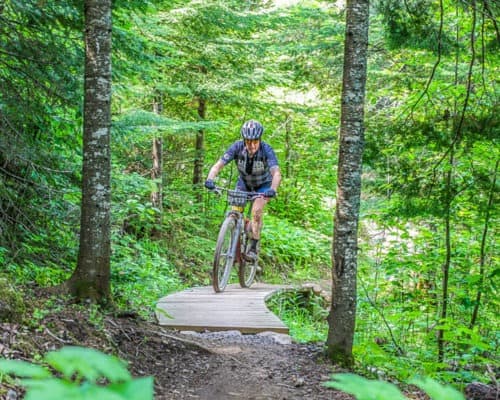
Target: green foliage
<point>364,389</point>
<point>143,271</point>
<point>43,273</point>
<point>3,250</point>
<point>148,122</point>
<point>414,24</point>
<point>435,390</point>
<point>284,67</point>
<point>295,252</point>
<point>82,373</point>
<point>303,312</point>
<point>305,207</point>
<point>397,302</point>
<point>424,153</point>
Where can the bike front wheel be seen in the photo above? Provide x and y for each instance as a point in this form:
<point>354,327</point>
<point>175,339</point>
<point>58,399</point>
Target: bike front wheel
<point>224,257</point>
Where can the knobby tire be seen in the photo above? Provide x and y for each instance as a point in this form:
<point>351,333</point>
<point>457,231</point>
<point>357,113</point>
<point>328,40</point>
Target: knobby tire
<point>223,260</point>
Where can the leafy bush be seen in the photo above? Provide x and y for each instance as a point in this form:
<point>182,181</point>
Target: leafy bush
<point>142,273</point>
<point>11,302</point>
<point>365,389</point>
<point>299,253</point>
<point>86,374</point>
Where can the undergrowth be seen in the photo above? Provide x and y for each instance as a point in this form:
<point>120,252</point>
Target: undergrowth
<point>303,312</point>
<point>151,258</point>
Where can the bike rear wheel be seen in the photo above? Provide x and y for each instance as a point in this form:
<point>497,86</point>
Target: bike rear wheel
<point>247,269</point>
<point>223,258</point>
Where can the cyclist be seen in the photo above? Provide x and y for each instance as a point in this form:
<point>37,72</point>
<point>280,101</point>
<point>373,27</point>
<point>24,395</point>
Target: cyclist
<point>259,172</point>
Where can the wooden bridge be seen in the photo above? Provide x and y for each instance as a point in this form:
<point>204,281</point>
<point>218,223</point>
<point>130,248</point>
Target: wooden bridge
<point>200,309</point>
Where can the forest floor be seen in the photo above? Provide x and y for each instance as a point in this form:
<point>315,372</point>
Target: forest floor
<point>219,366</point>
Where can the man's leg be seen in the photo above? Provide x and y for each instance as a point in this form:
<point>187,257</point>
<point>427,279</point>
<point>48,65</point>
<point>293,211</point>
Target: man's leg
<point>257,212</point>
<point>256,224</point>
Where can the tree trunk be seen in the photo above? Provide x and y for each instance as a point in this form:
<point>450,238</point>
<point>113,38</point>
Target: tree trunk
<point>482,255</point>
<point>288,146</point>
<point>91,278</point>
<point>156,195</point>
<point>447,261</point>
<point>342,315</point>
<point>199,148</point>
<point>451,191</point>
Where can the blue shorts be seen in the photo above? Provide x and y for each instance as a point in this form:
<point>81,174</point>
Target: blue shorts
<point>240,185</point>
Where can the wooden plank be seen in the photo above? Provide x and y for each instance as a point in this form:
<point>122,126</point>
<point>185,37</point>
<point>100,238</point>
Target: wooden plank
<point>200,309</point>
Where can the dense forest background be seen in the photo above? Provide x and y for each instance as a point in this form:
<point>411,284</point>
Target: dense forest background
<point>186,74</point>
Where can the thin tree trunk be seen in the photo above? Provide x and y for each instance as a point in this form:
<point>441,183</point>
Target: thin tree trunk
<point>449,182</point>
<point>91,278</point>
<point>288,146</point>
<point>342,317</point>
<point>156,171</point>
<point>447,261</point>
<point>492,17</point>
<point>156,195</point>
<point>199,149</point>
<point>482,255</point>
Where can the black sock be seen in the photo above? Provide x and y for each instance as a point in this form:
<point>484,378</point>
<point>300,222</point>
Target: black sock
<point>253,244</point>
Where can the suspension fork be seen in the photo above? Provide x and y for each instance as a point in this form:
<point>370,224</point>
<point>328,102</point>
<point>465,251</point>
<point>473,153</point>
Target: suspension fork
<point>235,242</point>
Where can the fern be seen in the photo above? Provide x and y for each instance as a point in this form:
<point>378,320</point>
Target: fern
<point>83,372</point>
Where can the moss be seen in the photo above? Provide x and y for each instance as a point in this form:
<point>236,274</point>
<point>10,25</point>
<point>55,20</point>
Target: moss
<point>12,306</point>
<point>338,356</point>
<point>86,290</point>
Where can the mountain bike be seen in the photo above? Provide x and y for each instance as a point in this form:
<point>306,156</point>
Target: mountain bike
<point>232,241</point>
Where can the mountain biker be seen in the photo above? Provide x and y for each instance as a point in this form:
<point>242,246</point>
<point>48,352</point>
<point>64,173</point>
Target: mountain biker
<point>259,172</point>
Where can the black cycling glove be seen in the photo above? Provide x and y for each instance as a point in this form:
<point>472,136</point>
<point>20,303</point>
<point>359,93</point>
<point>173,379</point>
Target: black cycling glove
<point>270,193</point>
<point>209,184</point>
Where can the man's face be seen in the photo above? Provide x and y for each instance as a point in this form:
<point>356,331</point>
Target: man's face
<point>252,146</point>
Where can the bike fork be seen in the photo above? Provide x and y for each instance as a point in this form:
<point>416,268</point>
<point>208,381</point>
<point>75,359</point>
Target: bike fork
<point>235,240</point>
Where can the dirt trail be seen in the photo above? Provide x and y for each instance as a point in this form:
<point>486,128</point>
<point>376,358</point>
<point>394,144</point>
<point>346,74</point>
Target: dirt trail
<point>217,366</point>
<point>229,365</point>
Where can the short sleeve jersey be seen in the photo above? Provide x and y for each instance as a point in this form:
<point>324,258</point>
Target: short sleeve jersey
<point>254,171</point>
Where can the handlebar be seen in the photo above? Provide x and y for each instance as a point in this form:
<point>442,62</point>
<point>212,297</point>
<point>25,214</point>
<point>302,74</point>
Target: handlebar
<point>249,195</point>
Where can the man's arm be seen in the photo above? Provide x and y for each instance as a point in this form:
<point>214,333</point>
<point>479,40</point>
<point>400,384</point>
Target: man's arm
<point>215,170</point>
<point>276,174</point>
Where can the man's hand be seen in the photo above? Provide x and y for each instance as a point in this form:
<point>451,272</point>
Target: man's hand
<point>270,193</point>
<point>209,184</point>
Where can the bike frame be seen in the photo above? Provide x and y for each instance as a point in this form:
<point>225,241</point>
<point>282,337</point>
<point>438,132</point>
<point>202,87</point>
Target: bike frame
<point>240,225</point>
